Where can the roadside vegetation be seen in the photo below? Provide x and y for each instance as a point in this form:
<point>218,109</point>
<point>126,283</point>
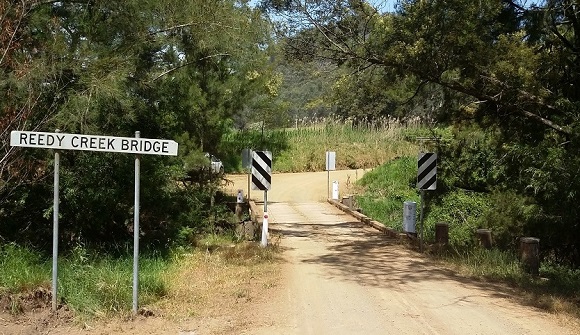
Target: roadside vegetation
<point>303,149</point>
<point>180,284</point>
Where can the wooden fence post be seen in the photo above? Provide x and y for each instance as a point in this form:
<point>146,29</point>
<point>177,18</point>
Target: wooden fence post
<point>530,254</point>
<point>484,236</point>
<point>442,233</point>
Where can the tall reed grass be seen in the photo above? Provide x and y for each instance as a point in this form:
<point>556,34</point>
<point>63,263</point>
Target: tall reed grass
<point>303,149</point>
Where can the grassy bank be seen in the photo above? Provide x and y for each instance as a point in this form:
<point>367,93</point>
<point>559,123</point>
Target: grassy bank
<point>90,284</point>
<point>303,149</point>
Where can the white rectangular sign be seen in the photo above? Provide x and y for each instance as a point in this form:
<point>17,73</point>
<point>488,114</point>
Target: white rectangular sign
<point>330,161</point>
<point>64,141</point>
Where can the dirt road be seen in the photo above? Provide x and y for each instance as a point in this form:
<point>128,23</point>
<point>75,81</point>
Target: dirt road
<point>343,278</point>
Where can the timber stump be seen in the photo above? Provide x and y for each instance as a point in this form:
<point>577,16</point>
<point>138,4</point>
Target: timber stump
<point>442,233</point>
<point>484,237</point>
<point>530,254</point>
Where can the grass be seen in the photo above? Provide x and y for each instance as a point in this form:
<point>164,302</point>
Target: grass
<point>303,149</point>
<point>97,286</point>
<point>556,289</point>
<point>90,284</point>
<point>22,269</point>
<point>386,188</point>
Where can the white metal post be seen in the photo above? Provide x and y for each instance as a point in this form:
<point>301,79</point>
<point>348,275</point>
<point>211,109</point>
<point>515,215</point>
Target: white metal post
<point>421,221</point>
<point>249,179</point>
<point>328,183</point>
<point>136,231</point>
<point>55,211</point>
<point>265,219</point>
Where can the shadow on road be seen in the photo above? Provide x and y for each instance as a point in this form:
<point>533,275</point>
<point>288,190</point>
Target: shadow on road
<point>357,253</point>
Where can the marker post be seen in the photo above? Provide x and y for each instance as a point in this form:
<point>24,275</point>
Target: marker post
<point>265,221</point>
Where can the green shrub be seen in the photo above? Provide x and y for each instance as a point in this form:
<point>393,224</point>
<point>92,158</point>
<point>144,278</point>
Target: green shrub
<point>506,216</point>
<point>386,188</point>
<point>462,210</point>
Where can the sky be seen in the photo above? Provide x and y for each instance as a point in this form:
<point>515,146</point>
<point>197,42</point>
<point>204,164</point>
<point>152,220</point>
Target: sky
<point>381,5</point>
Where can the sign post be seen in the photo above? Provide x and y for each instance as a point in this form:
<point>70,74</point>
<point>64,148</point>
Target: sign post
<point>136,229</point>
<point>55,209</point>
<point>426,180</point>
<point>63,141</point>
<point>247,164</point>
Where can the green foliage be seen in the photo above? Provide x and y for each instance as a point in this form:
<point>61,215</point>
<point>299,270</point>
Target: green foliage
<point>386,188</point>
<point>22,269</point>
<point>530,182</point>
<point>509,216</point>
<point>98,285</point>
<point>470,160</point>
<point>234,142</point>
<point>169,69</point>
<point>562,279</point>
<point>462,210</point>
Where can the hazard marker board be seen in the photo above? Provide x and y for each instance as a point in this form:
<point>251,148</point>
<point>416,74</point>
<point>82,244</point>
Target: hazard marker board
<point>262,170</point>
<point>427,171</point>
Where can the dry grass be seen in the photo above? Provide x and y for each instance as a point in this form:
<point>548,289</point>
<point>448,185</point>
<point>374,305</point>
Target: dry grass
<point>355,147</point>
<point>205,283</point>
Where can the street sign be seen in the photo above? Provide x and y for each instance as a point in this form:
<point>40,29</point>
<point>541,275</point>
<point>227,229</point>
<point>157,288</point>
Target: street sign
<point>63,141</point>
<point>427,171</point>
<point>262,170</point>
<point>330,161</point>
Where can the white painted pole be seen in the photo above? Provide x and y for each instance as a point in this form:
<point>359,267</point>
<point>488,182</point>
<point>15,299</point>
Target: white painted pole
<point>136,231</point>
<point>249,178</point>
<point>265,221</point>
<point>422,207</point>
<point>55,211</point>
<point>328,183</point>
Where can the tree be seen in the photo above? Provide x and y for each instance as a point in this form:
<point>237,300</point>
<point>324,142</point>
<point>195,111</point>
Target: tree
<point>171,69</point>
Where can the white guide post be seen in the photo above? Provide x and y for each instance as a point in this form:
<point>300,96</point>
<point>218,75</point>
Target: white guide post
<point>265,221</point>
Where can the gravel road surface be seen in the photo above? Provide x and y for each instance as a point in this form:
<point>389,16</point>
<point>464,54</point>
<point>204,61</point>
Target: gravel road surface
<point>344,278</point>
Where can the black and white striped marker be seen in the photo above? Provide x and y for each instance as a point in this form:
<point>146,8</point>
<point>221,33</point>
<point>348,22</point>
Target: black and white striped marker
<point>262,170</point>
<point>427,171</point>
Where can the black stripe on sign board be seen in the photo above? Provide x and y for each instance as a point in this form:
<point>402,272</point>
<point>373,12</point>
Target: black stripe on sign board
<point>425,170</point>
<point>264,158</point>
<point>423,158</point>
<point>427,185</point>
<point>258,183</point>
